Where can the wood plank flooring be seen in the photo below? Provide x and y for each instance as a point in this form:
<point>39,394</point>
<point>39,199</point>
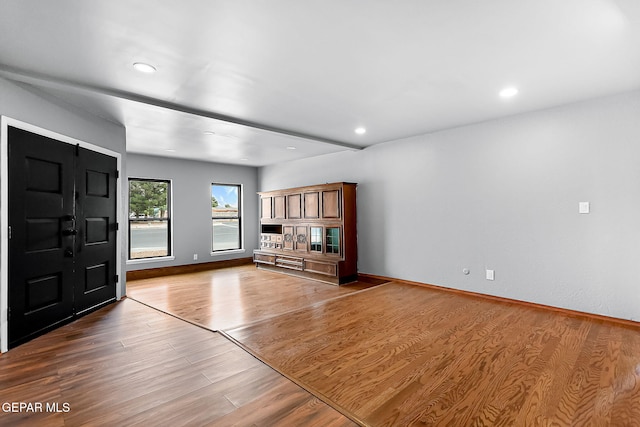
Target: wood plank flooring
<point>399,355</point>
<point>390,355</point>
<point>228,297</point>
<point>129,365</point>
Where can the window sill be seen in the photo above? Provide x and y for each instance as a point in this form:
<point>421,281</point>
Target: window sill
<point>148,260</point>
<point>231,251</point>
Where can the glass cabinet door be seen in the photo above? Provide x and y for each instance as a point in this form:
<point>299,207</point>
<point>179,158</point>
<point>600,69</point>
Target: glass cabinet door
<point>316,239</point>
<point>333,240</point>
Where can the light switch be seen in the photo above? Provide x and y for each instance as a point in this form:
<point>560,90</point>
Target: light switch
<point>490,275</point>
<point>583,207</point>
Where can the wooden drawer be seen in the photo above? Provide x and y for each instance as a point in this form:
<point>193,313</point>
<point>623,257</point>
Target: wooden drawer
<point>326,268</point>
<point>264,258</point>
<point>292,263</point>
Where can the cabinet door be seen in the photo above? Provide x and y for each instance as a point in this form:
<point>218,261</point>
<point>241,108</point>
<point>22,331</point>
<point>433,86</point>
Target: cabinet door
<point>294,204</point>
<point>315,240</point>
<point>288,236</point>
<point>331,204</point>
<point>266,208</point>
<point>332,240</point>
<point>311,205</point>
<point>278,207</point>
<point>302,242</point>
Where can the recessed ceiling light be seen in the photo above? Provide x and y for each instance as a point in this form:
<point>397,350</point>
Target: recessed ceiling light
<point>144,68</point>
<point>209,132</point>
<point>508,92</point>
<point>244,159</point>
<point>360,131</point>
<point>291,147</point>
<point>170,150</point>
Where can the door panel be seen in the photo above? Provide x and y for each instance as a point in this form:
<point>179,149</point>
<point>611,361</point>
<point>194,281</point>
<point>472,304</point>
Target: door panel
<point>41,189</point>
<point>301,239</point>
<point>294,206</point>
<point>266,208</point>
<point>331,204</point>
<point>41,292</point>
<point>278,207</point>
<point>287,237</point>
<point>42,234</point>
<point>311,205</point>
<point>96,177</point>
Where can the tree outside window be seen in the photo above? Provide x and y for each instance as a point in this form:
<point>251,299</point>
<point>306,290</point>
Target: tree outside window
<point>149,218</point>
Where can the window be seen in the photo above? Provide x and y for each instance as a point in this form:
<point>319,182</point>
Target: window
<point>149,218</point>
<point>225,217</point>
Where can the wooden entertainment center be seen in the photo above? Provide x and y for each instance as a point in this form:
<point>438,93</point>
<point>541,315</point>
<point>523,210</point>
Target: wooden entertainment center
<point>310,232</point>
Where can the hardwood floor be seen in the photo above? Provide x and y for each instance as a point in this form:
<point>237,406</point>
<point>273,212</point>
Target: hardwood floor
<point>229,297</point>
<point>128,364</point>
<point>395,354</point>
<point>399,355</point>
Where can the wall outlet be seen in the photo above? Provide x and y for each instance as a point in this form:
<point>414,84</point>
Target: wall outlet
<point>490,275</point>
<point>583,207</point>
<point>195,257</point>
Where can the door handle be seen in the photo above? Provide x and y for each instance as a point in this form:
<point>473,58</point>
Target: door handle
<point>69,218</point>
<point>69,232</point>
<point>68,253</point>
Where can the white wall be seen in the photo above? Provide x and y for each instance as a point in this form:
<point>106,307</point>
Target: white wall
<point>503,195</point>
<point>191,190</point>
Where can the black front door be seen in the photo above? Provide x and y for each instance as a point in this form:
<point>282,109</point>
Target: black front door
<point>62,218</point>
<point>95,261</point>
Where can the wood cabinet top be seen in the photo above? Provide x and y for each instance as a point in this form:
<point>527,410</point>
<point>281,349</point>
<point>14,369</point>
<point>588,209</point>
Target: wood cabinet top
<point>308,188</point>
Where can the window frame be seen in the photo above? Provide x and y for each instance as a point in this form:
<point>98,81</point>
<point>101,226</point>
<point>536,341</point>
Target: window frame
<point>169,221</point>
<point>239,216</point>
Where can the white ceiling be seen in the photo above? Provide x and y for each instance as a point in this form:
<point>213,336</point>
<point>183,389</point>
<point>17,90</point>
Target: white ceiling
<point>267,75</point>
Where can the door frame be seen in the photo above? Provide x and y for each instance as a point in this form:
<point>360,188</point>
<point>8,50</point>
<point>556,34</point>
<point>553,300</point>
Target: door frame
<point>5,122</point>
